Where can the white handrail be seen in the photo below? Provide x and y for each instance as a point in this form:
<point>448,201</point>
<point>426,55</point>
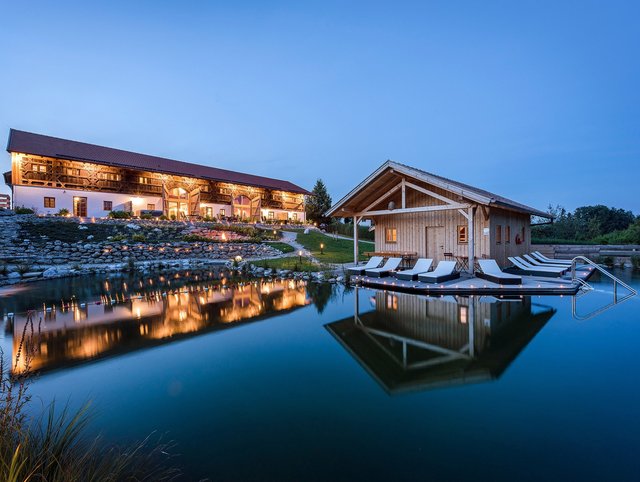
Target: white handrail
<point>616,281</point>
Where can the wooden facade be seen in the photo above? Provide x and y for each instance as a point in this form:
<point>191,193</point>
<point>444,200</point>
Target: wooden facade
<point>417,212</point>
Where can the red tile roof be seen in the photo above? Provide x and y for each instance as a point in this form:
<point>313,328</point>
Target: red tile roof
<point>40,145</point>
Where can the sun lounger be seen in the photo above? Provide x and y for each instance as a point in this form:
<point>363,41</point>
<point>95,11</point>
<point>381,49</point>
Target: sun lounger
<point>391,265</point>
<point>544,259</point>
<point>492,272</point>
<point>421,266</point>
<point>374,262</point>
<point>536,270</point>
<point>445,271</point>
<point>535,262</point>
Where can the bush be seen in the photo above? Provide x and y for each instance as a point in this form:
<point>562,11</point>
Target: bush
<point>139,238</point>
<point>63,212</point>
<point>146,216</point>
<point>23,210</point>
<point>164,218</point>
<point>120,215</point>
<point>118,237</point>
<point>23,268</point>
<point>607,261</point>
<point>196,238</point>
<point>635,262</point>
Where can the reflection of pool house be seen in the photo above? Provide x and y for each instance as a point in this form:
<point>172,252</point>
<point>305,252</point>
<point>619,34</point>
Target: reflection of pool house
<point>419,213</point>
<point>408,342</point>
<point>48,173</point>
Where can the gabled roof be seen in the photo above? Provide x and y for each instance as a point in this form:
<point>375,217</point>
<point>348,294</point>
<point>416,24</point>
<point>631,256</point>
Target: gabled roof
<point>466,191</point>
<point>41,145</point>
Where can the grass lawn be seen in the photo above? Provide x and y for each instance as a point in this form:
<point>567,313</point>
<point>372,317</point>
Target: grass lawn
<point>335,250</point>
<point>284,247</point>
<point>292,263</point>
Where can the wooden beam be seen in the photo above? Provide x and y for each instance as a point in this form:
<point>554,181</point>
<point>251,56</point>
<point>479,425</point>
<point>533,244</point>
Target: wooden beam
<point>443,207</point>
<point>463,213</point>
<point>355,240</point>
<point>431,193</point>
<point>382,198</point>
<point>471,239</point>
<point>404,193</point>
<point>485,212</point>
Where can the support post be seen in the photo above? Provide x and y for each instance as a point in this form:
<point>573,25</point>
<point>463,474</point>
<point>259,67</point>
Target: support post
<point>404,194</point>
<point>471,240</point>
<point>355,240</point>
<point>471,319</point>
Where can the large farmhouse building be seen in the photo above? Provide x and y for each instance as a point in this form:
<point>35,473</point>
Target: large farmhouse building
<point>425,215</point>
<point>49,174</point>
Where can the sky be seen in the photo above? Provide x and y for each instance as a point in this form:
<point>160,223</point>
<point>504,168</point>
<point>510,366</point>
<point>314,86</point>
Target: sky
<point>537,101</point>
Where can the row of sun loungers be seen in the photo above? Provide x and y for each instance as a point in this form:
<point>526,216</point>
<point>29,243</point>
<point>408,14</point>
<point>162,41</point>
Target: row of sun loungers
<point>534,265</point>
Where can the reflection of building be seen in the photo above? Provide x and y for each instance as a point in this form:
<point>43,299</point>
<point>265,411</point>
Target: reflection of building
<point>410,342</point>
<point>5,201</point>
<point>49,173</point>
<point>94,331</point>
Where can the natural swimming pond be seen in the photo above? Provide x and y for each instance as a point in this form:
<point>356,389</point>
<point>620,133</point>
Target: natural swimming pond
<point>284,380</point>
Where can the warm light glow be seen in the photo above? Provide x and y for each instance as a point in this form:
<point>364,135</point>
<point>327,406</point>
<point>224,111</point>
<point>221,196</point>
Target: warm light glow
<point>136,201</point>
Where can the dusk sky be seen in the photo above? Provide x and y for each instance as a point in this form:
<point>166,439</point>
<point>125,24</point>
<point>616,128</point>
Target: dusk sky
<point>537,101</point>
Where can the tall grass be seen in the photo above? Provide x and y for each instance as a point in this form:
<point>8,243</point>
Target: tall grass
<point>55,447</point>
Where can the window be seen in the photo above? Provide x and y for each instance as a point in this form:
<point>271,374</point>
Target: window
<point>109,176</point>
<point>462,234</point>
<point>463,314</point>
<point>507,234</point>
<point>295,216</point>
<point>498,234</point>
<point>49,202</point>
<point>391,235</point>
<point>39,168</point>
<point>271,215</point>
<point>204,188</point>
<point>107,205</point>
<point>392,302</point>
<point>69,171</point>
<point>223,213</point>
<point>151,207</point>
<point>144,180</point>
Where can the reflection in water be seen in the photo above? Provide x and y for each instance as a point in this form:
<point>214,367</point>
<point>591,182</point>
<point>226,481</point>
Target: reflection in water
<point>76,332</point>
<point>409,342</point>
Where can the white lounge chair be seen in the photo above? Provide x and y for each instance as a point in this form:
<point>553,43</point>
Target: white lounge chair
<point>536,270</point>
<point>445,271</point>
<point>374,262</point>
<point>492,272</point>
<point>544,259</point>
<point>391,265</point>
<point>422,266</point>
<point>535,262</point>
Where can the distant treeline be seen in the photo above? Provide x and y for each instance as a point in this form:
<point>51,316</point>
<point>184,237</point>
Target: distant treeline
<point>588,225</point>
<point>346,229</point>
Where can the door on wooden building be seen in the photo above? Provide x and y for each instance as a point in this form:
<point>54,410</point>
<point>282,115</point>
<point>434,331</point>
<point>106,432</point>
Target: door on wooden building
<point>434,236</point>
<point>79,206</point>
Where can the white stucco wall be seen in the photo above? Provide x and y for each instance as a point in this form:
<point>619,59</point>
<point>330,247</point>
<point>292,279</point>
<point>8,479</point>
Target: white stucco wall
<point>33,197</point>
<point>228,210</point>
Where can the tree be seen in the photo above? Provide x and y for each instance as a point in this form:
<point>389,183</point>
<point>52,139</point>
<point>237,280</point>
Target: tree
<point>318,203</point>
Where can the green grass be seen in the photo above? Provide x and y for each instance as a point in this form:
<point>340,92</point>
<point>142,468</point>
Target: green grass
<point>292,263</point>
<point>335,250</point>
<point>284,247</point>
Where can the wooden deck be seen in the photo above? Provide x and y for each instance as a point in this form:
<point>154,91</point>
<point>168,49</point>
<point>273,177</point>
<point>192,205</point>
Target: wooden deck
<point>468,285</point>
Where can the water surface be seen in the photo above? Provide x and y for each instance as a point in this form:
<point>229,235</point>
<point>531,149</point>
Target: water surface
<point>288,381</point>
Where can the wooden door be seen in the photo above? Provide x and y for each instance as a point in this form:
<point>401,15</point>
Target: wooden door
<point>435,243</point>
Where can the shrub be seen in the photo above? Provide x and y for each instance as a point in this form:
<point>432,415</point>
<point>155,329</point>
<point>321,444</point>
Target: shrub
<point>139,238</point>
<point>196,238</point>
<point>23,268</point>
<point>23,210</point>
<point>164,218</point>
<point>120,215</point>
<point>118,237</point>
<point>63,212</point>
<point>607,261</point>
<point>146,216</point>
<point>3,268</point>
<point>635,262</point>
<point>173,217</point>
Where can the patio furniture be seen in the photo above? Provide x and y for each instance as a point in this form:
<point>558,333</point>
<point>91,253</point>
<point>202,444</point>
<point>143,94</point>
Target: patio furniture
<point>445,271</point>
<point>536,270</point>
<point>492,272</point>
<point>374,262</point>
<point>544,259</point>
<point>391,265</point>
<point>422,266</point>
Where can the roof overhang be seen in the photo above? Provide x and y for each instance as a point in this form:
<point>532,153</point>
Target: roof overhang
<point>390,173</point>
<point>7,178</point>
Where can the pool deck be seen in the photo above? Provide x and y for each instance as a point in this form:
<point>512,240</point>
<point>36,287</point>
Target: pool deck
<point>469,285</point>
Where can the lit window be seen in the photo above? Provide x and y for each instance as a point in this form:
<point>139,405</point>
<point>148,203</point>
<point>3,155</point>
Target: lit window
<point>391,235</point>
<point>39,168</point>
<point>462,234</point>
<point>271,215</point>
<point>498,234</point>
<point>49,202</point>
<point>109,176</point>
<point>223,213</point>
<point>463,314</point>
<point>144,180</point>
<point>151,207</point>
<point>107,205</point>
<point>69,171</point>
<point>507,234</point>
<point>295,216</point>
<point>392,302</point>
